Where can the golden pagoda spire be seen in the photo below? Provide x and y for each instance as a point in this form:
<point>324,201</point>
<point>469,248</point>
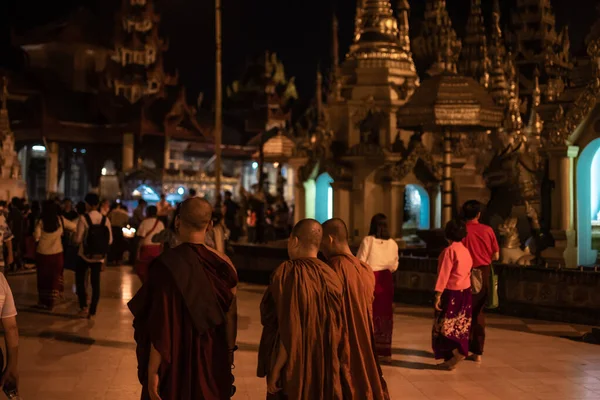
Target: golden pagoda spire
<point>403,12</point>
<point>474,57</point>
<point>319,92</point>
<point>378,35</point>
<point>335,87</point>
<point>441,37</point>
<point>514,122</point>
<point>4,121</point>
<point>498,85</point>
<point>535,125</point>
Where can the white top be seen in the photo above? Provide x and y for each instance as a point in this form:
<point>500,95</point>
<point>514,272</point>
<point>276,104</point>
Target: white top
<point>51,242</point>
<point>148,228</point>
<point>7,301</point>
<point>380,254</point>
<point>82,227</point>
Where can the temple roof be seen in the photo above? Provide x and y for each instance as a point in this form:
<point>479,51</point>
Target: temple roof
<point>450,100</point>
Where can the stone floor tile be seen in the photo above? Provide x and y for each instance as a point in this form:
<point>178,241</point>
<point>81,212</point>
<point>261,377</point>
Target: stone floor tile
<point>65,358</point>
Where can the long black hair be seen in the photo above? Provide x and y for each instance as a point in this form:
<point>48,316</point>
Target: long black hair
<point>379,227</point>
<point>50,216</point>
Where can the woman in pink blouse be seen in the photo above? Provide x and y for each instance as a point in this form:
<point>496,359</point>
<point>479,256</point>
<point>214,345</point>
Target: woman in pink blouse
<point>453,299</point>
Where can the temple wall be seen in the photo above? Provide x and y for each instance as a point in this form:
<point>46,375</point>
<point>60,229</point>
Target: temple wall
<point>545,293</point>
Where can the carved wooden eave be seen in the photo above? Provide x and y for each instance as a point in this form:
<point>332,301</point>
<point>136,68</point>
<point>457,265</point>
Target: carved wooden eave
<point>565,123</point>
<point>363,151</point>
<point>403,168</point>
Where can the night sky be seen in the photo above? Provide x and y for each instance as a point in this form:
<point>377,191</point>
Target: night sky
<point>298,30</point>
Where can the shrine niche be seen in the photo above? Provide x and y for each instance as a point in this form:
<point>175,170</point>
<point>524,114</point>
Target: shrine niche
<point>588,203</point>
<point>369,128</point>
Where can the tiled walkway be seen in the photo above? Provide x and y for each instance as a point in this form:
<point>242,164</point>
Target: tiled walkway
<point>63,358</point>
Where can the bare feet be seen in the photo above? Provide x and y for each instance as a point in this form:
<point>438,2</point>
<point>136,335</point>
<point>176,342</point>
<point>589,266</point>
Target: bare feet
<point>451,364</point>
<point>474,357</point>
<point>83,313</point>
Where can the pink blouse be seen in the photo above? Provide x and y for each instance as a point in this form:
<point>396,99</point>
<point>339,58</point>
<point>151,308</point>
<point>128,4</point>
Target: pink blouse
<point>454,268</point>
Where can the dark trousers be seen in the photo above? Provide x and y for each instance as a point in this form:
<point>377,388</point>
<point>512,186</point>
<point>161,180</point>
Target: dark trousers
<point>80,277</point>
<point>477,338</point>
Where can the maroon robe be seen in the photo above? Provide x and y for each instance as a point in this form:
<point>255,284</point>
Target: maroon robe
<point>182,310</point>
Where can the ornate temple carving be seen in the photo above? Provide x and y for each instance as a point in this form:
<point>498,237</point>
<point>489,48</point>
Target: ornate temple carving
<point>10,167</point>
<point>137,66</point>
<point>416,152</point>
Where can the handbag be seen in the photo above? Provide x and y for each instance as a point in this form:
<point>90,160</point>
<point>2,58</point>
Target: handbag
<point>492,301</point>
<point>476,280</point>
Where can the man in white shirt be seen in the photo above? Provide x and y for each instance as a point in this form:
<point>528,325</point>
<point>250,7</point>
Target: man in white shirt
<point>9,381</point>
<point>93,244</point>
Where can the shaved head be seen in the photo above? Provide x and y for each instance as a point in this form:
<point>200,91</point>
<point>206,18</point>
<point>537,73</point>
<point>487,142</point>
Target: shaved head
<point>309,233</point>
<point>336,228</point>
<point>196,213</point>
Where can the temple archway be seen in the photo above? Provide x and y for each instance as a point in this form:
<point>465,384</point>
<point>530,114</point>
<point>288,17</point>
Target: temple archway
<point>323,198</point>
<point>588,203</point>
<point>416,208</point>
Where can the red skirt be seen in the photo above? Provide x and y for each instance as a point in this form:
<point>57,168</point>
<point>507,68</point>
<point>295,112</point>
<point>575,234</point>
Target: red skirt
<point>50,282</point>
<point>147,255</point>
<point>383,312</point>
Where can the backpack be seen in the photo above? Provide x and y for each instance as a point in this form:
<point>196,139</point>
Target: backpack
<point>96,242</point>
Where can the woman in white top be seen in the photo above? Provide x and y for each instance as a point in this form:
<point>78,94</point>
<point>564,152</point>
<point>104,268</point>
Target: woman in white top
<point>49,254</point>
<point>381,253</point>
<point>148,250</point>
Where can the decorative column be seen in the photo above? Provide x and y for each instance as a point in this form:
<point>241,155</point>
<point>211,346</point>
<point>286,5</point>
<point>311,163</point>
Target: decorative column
<point>447,179</point>
<point>52,169</point>
<point>342,196</point>
<point>167,152</point>
<point>128,152</point>
<point>563,221</point>
<point>396,217</point>
<point>433,191</point>
<point>300,202</point>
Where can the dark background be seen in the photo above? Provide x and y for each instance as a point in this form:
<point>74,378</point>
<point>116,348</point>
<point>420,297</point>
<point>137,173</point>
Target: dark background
<point>299,31</point>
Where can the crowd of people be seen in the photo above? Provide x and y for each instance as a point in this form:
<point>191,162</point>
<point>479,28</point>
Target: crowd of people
<point>327,314</point>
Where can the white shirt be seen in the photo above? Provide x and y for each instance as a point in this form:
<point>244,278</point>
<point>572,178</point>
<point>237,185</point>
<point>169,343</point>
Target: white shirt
<point>82,227</point>
<point>7,301</point>
<point>380,254</point>
<point>51,242</point>
<point>148,228</point>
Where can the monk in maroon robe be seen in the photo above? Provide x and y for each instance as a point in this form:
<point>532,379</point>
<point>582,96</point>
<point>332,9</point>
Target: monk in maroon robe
<point>301,343</point>
<point>361,377</point>
<point>185,316</point>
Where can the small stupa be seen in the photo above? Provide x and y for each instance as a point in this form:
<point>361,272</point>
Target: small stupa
<point>11,179</point>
